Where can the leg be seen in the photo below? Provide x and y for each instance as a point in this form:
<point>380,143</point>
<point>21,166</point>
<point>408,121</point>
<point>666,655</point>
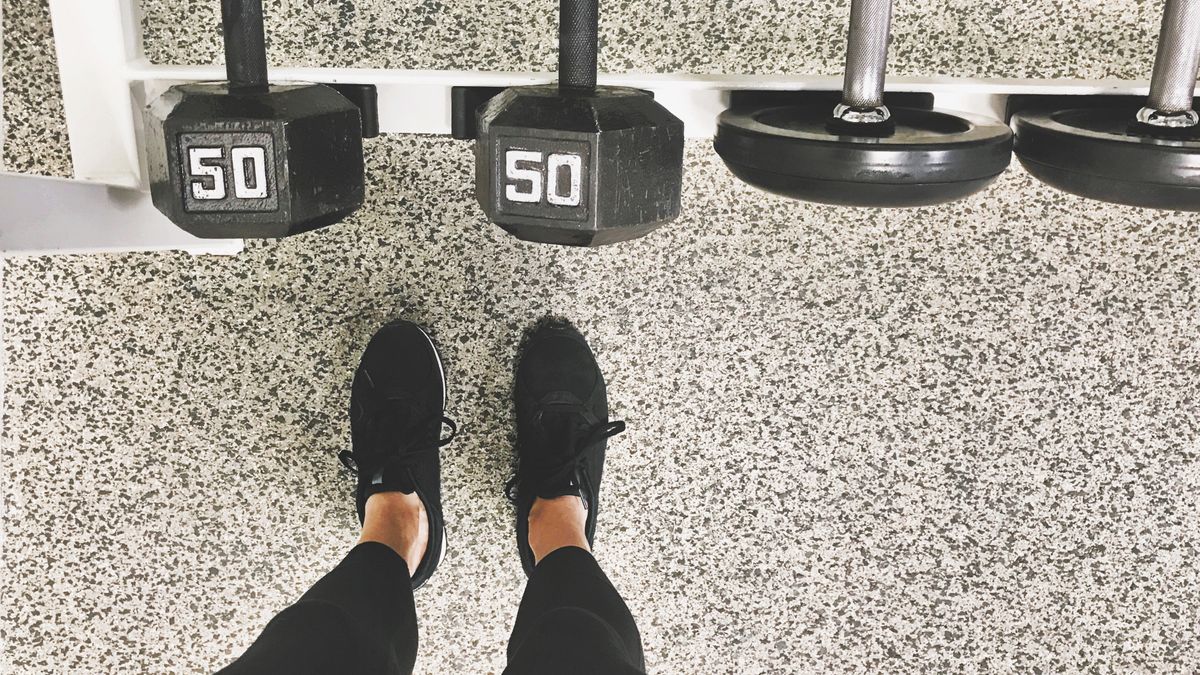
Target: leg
<point>571,614</point>
<point>571,618</point>
<point>360,618</point>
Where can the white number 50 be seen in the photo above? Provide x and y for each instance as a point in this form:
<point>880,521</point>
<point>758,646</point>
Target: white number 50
<point>249,173</point>
<point>555,166</point>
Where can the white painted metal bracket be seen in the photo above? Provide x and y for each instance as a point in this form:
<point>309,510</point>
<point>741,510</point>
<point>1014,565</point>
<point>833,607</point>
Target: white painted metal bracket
<point>60,215</point>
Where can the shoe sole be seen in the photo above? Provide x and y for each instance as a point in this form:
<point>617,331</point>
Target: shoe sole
<point>437,357</point>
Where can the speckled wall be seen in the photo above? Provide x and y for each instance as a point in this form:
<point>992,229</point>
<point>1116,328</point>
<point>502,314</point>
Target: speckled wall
<point>986,38</point>
<point>953,439</point>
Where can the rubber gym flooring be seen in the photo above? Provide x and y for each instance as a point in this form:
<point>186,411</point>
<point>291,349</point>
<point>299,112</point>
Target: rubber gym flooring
<point>955,439</point>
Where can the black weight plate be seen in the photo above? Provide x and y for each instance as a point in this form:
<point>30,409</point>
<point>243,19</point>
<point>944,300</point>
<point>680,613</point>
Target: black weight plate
<point>1093,153</point>
<point>932,157</point>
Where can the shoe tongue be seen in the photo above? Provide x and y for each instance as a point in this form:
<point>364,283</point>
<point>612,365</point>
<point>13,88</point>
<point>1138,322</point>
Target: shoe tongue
<point>393,477</point>
<point>563,431</point>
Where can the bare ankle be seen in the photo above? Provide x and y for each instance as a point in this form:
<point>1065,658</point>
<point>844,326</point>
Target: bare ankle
<point>399,521</point>
<point>557,523</point>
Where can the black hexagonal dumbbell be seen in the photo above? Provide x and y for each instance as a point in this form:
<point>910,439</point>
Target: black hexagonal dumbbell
<point>575,163</point>
<point>248,159</point>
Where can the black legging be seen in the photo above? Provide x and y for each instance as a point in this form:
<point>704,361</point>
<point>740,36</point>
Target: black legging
<point>360,619</point>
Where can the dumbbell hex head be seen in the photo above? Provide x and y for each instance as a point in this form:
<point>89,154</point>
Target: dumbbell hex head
<point>271,162</point>
<point>578,167</point>
<point>927,156</point>
<point>1102,153</point>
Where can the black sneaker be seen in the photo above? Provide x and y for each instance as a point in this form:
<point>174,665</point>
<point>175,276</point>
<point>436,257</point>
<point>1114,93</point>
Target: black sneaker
<point>397,405</point>
<point>562,427</point>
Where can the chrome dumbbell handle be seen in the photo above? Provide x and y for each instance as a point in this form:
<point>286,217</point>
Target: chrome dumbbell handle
<point>866,62</point>
<point>1174,81</point>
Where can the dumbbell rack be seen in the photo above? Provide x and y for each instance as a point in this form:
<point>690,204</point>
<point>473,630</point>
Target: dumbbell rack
<point>106,81</point>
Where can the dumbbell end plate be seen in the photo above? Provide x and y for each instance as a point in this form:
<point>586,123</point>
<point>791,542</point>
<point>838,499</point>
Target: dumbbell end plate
<point>578,168</point>
<point>258,164</point>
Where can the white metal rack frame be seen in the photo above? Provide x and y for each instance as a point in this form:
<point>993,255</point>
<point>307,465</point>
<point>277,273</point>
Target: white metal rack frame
<point>106,81</point>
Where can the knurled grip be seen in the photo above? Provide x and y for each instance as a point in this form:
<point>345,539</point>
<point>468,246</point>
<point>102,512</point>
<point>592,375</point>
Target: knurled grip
<point>245,44</point>
<point>866,53</point>
<point>1174,80</point>
<point>578,26</point>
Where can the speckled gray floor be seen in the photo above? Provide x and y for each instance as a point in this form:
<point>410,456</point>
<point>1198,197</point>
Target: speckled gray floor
<point>959,439</point>
<point>35,131</point>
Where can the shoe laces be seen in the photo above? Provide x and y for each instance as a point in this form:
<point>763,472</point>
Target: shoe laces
<point>591,435</point>
<point>406,444</point>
